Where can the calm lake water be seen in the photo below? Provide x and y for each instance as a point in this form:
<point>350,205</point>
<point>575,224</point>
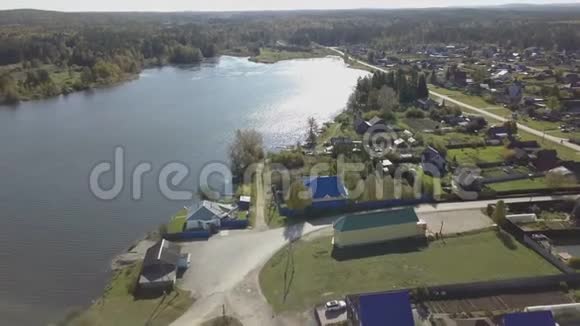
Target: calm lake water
<point>57,239</point>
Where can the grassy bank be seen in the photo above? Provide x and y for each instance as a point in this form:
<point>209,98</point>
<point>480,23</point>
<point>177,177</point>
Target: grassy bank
<point>308,274</point>
<point>117,306</point>
<point>270,55</point>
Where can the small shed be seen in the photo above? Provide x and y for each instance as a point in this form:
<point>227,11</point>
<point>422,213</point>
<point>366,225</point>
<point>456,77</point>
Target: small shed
<point>159,270</point>
<point>535,318</point>
<point>378,309</point>
<point>376,227</point>
<point>244,203</point>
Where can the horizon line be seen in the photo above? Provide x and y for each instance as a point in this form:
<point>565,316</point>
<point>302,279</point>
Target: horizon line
<point>483,6</point>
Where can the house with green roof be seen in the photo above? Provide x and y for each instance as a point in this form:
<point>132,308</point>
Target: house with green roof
<point>377,226</point>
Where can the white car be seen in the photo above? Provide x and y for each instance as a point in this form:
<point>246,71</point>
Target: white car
<point>335,305</point>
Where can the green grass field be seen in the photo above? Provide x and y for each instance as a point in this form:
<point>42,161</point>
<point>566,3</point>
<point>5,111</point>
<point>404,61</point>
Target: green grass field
<point>471,156</point>
<point>476,101</point>
<point>453,138</point>
<point>118,307</point>
<point>312,275</point>
<point>269,55</point>
<point>177,222</point>
<point>536,183</point>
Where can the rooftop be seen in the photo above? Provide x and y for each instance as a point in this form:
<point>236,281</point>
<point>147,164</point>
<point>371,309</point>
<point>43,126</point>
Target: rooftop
<point>376,219</point>
<point>325,187</point>
<point>392,308</point>
<point>536,318</point>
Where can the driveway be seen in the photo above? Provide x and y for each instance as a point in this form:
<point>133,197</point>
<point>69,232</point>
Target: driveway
<point>224,270</point>
<point>456,221</point>
<point>224,273</point>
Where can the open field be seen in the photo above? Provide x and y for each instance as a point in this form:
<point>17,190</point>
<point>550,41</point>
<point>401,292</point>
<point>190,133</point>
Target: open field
<point>420,124</point>
<point>473,100</point>
<point>270,55</point>
<point>453,138</point>
<point>306,274</point>
<point>118,307</point>
<point>471,156</point>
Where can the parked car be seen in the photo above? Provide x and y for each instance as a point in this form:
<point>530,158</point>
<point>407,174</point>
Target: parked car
<point>335,305</point>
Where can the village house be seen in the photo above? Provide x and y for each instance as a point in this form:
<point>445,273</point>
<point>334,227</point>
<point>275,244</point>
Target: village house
<point>545,159</point>
<point>377,227</point>
<point>427,104</point>
<point>327,191</point>
<point>497,132</point>
<point>207,215</point>
<point>512,95</point>
<point>528,145</point>
<point>433,162</point>
<point>159,270</point>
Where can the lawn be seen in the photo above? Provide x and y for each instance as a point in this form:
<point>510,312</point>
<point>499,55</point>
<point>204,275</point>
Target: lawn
<point>471,156</point>
<point>453,138</point>
<point>503,171</point>
<point>312,275</point>
<point>269,55</point>
<point>177,221</point>
<point>536,183</point>
<point>118,307</point>
<point>476,101</point>
<point>419,125</point>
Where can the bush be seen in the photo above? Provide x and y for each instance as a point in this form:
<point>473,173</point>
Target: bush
<point>415,113</point>
<point>290,159</point>
<point>490,209</point>
<point>574,262</point>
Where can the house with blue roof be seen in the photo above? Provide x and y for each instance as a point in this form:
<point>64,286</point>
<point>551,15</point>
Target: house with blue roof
<point>380,309</point>
<point>327,191</point>
<point>532,318</point>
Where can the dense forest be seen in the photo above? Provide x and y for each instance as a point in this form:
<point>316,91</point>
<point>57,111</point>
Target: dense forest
<point>47,53</point>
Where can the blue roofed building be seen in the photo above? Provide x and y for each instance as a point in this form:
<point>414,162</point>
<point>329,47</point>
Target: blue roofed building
<point>327,191</point>
<point>535,318</point>
<point>380,309</point>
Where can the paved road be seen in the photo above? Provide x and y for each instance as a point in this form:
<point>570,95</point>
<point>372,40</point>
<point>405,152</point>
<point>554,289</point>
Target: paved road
<point>553,139</point>
<point>424,208</point>
<point>260,222</point>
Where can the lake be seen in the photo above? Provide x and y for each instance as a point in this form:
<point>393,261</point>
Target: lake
<point>58,239</point>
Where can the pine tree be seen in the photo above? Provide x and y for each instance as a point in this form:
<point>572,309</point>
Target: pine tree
<point>422,90</point>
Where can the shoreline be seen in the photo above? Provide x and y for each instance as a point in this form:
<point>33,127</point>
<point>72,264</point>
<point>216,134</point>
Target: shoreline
<point>271,57</point>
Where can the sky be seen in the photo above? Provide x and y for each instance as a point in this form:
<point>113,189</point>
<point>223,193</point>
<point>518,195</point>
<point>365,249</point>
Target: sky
<point>244,5</point>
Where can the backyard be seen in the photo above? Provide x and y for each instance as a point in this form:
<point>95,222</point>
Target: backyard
<point>471,156</point>
<point>117,306</point>
<point>529,184</point>
<point>307,274</point>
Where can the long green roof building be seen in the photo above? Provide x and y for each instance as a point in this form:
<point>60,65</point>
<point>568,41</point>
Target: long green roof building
<point>377,226</point>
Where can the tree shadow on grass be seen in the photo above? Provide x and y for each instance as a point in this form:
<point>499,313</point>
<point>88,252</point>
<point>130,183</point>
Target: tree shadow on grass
<point>379,249</point>
<point>506,239</point>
